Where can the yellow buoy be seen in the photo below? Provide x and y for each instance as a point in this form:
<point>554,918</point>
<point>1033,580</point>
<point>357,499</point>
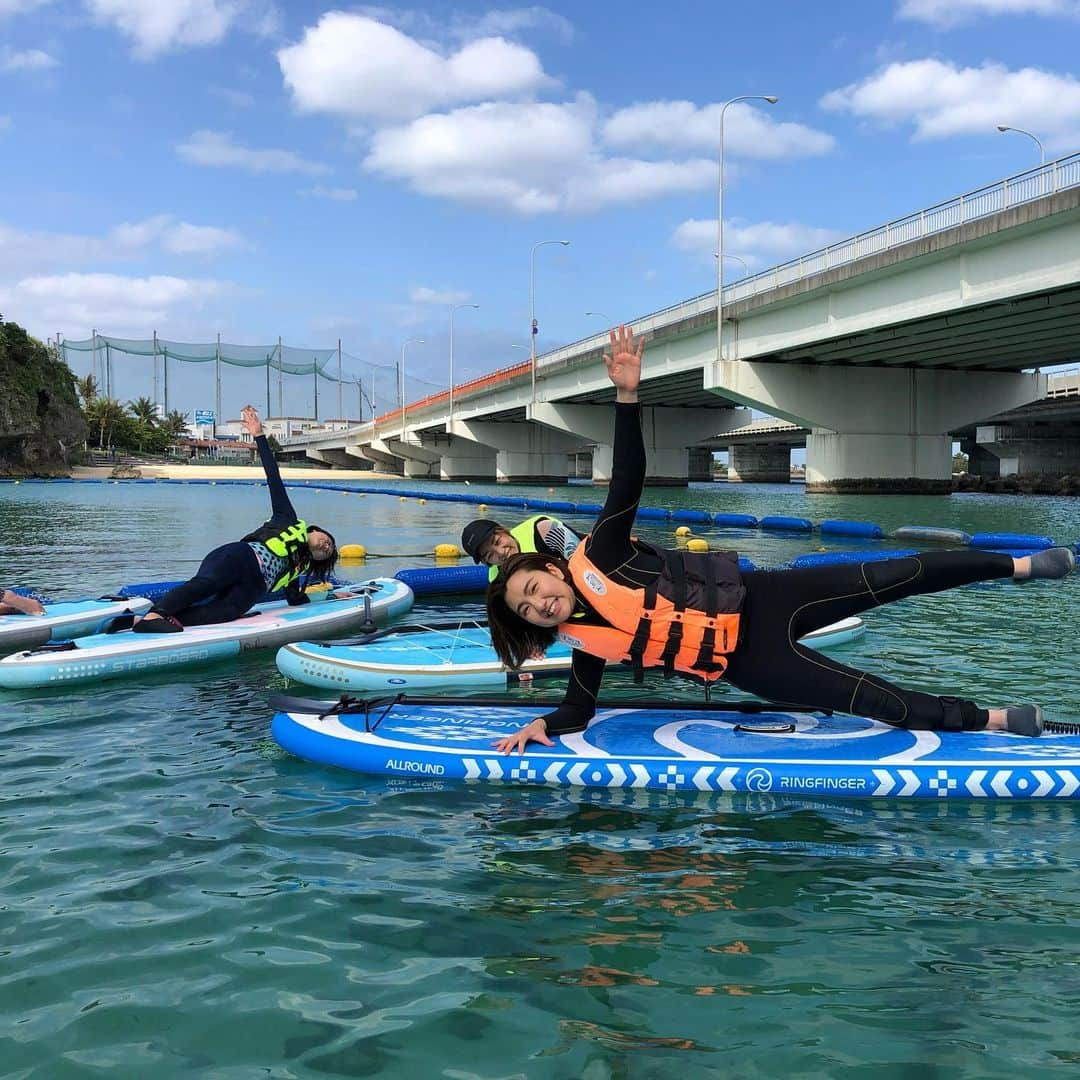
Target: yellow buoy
<point>482,508</point>
<point>352,551</point>
<point>683,530</point>
<point>401,498</point>
<point>447,551</point>
<point>697,543</point>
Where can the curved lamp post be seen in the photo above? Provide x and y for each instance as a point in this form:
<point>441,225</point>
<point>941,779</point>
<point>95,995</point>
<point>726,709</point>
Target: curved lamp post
<point>405,345</point>
<point>772,99</point>
<point>1022,131</point>
<point>453,308</point>
<point>532,304</point>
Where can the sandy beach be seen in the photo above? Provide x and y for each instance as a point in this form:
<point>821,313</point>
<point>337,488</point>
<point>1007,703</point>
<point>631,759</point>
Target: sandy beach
<point>230,472</point>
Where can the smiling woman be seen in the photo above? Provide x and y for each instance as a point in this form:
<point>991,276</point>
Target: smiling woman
<point>620,599</point>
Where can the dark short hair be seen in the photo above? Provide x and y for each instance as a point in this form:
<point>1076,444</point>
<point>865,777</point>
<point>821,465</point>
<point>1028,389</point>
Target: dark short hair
<point>321,569</point>
<point>514,639</point>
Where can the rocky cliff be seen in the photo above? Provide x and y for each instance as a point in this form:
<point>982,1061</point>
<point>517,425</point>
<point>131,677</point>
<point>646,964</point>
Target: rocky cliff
<point>41,425</point>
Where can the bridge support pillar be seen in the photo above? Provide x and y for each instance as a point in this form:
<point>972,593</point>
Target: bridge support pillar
<point>379,453</point>
<point>875,429</point>
<point>524,453</point>
<point>699,466</point>
<point>760,463</point>
<point>421,462</point>
<point>338,459</point>
<point>669,433</point>
<point>1018,449</point>
<point>467,460</point>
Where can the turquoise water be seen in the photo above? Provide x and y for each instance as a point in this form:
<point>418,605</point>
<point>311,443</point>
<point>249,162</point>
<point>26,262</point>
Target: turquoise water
<point>179,898</point>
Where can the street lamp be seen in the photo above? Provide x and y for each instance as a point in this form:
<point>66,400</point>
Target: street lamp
<point>453,308</point>
<point>599,315</point>
<point>735,258</point>
<point>532,304</point>
<point>1021,131</point>
<point>772,99</point>
<point>411,341</point>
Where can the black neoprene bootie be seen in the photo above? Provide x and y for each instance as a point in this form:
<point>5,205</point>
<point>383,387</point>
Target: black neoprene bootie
<point>1024,720</point>
<point>1053,562</point>
<point>165,625</point>
<point>118,623</point>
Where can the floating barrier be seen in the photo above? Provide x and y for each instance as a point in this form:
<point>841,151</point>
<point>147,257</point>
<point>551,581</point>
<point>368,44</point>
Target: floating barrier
<point>699,517</point>
<point>790,524</point>
<point>735,521</point>
<point>930,534</point>
<point>441,580</point>
<point>866,529</point>
<point>1009,541</point>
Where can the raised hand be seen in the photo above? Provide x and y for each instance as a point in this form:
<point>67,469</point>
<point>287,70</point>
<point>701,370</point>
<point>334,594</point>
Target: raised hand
<point>250,419</point>
<point>624,363</point>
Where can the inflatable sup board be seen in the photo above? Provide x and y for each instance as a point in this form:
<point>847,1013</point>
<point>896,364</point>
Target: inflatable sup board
<point>61,621</point>
<point>111,656</point>
<point>438,656</point>
<point>737,747</point>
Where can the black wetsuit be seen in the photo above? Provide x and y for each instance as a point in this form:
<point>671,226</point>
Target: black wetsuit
<point>230,579</point>
<point>780,607</point>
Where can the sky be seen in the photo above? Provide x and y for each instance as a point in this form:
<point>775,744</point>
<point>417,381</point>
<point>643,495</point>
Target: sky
<point>261,169</point>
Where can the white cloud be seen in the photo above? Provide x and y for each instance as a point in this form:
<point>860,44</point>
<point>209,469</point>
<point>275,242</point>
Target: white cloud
<point>758,243</point>
<point>25,252</point>
<point>953,12</point>
<point>423,295</point>
<point>216,148</point>
<point>527,158</point>
<point>27,60</point>
<point>357,66</point>
<point>338,194</point>
<point>158,26</point>
<point>510,21</point>
<point>681,125</point>
<point>943,100</point>
<point>78,302</point>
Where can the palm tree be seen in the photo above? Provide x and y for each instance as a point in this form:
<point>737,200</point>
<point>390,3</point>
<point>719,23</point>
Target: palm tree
<point>106,413</point>
<point>143,410</point>
<point>88,389</point>
<point>175,423</point>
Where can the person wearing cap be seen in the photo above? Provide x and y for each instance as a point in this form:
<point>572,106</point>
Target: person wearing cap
<point>490,543</point>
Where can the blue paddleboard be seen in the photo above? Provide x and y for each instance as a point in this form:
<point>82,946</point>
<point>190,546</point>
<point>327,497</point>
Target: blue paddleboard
<point>70,619</point>
<point>448,656</point>
<point>110,656</point>
<point>687,749</point>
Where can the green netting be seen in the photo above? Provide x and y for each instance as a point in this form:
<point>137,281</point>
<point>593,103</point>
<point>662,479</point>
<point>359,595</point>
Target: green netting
<point>377,385</point>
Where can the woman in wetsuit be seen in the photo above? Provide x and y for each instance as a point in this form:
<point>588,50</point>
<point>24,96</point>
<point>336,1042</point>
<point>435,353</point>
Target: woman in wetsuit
<point>234,576</point>
<point>617,598</point>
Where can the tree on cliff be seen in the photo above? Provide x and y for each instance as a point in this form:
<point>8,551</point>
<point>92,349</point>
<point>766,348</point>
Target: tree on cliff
<point>42,427</point>
<point>88,389</point>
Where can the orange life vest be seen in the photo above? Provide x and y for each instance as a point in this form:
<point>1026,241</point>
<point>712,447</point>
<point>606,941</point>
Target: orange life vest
<point>686,622</point>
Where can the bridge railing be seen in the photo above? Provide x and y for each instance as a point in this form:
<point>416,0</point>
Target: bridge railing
<point>1005,194</point>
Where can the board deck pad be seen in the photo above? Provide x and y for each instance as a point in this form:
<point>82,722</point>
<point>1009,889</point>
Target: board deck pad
<point>690,750</point>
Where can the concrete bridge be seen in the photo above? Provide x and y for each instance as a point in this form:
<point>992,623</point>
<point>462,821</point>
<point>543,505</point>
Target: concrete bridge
<point>880,346</point>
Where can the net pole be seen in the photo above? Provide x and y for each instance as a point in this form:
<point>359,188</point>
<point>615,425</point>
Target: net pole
<point>315,376</point>
<point>340,388</point>
<point>165,379</point>
<point>268,386</point>
<point>157,394</point>
<point>93,360</point>
<point>108,370</point>
<point>280,380</point>
<point>217,386</point>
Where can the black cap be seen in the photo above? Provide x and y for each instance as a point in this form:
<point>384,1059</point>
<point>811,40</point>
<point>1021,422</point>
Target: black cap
<point>475,535</point>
